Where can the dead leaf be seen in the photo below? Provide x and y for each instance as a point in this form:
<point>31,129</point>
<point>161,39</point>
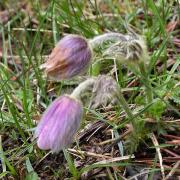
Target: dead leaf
<point>171,26</point>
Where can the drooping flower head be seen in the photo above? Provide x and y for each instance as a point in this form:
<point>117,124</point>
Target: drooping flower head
<point>59,124</point>
<point>70,57</point>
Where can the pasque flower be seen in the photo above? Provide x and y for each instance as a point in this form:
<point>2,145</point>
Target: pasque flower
<point>70,57</point>
<point>59,124</point>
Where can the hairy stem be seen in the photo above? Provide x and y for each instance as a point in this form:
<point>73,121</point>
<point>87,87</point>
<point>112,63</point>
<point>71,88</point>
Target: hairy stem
<point>83,87</point>
<point>98,40</point>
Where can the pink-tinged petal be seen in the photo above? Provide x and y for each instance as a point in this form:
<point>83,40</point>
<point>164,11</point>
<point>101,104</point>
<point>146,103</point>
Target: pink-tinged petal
<point>70,57</point>
<point>43,140</point>
<point>68,127</point>
<point>59,124</point>
<point>47,116</point>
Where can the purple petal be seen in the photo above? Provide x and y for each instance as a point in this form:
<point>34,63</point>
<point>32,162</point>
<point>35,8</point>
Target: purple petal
<point>59,124</point>
<point>70,57</point>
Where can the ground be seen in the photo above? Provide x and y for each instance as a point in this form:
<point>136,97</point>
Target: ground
<point>108,147</point>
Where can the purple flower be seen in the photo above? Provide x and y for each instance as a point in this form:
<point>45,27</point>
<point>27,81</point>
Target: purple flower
<point>70,57</point>
<point>59,124</point>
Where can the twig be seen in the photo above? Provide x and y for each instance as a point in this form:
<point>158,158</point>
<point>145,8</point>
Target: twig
<point>94,133</point>
<point>85,153</point>
<point>169,152</point>
<point>173,170</point>
<point>116,159</point>
<point>172,136</point>
<point>115,140</point>
<point>176,142</point>
<point>171,159</point>
<point>44,157</point>
<point>156,144</point>
<point>139,174</point>
<point>174,121</point>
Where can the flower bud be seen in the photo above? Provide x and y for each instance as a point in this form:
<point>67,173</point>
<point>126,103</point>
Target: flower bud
<point>59,124</point>
<point>130,50</point>
<point>70,57</point>
<point>104,91</point>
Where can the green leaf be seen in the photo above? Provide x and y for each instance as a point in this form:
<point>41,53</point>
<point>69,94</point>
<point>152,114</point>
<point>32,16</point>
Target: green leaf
<point>175,95</point>
<point>31,176</point>
<point>72,168</point>
<point>28,165</point>
<point>3,174</point>
<point>157,108</point>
